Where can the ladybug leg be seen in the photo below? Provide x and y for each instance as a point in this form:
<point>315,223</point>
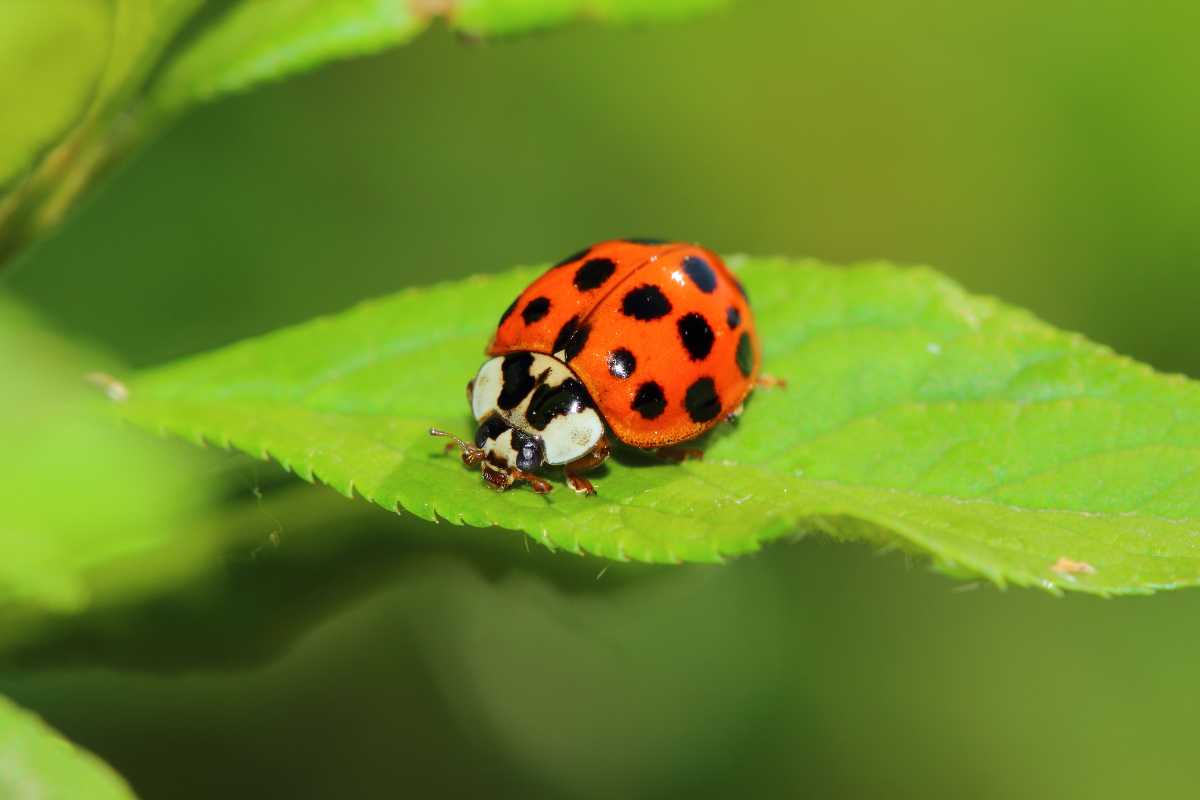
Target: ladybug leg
<point>733,416</point>
<point>470,392</point>
<point>677,455</point>
<point>571,471</point>
<point>771,382</point>
<point>501,477</point>
<point>538,485</point>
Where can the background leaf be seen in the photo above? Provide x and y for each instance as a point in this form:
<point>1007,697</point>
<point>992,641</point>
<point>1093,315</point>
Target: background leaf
<point>35,762</point>
<point>32,35</point>
<point>103,513</point>
<point>492,17</point>
<point>256,42</point>
<point>93,82</point>
<point>916,415</point>
<point>71,71</point>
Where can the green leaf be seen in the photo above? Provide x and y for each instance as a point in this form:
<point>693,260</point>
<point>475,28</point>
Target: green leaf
<point>916,415</point>
<point>91,82</point>
<point>70,71</point>
<point>92,509</point>
<point>45,86</point>
<point>502,17</point>
<point>36,762</point>
<point>63,64</point>
<point>256,42</point>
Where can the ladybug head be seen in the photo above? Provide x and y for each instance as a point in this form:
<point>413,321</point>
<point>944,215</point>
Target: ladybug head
<point>502,452</point>
<point>504,446</point>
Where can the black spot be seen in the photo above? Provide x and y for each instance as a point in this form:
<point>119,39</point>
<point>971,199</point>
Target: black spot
<point>733,317</point>
<point>492,427</point>
<point>643,240</point>
<point>621,363</point>
<point>577,342</point>
<point>745,354</point>
<point>571,338</point>
<point>564,334</point>
<point>507,312</point>
<point>593,273</point>
<point>535,309</point>
<point>646,303</point>
<point>696,335</point>
<point>649,400</point>
<point>701,400</point>
<point>548,402</point>
<point>529,450</point>
<point>516,382</point>
<point>574,257</point>
<point>701,273</point>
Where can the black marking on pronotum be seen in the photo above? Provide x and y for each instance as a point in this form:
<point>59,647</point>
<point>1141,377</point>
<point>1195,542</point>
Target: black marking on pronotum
<point>645,303</point>
<point>515,380</point>
<point>621,363</point>
<point>696,335</point>
<point>528,449</point>
<point>548,402</point>
<point>507,312</point>
<point>701,400</point>
<point>649,400</point>
<point>535,309</point>
<point>574,257</point>
<point>492,427</point>
<point>745,354</point>
<point>733,317</point>
<point>571,338</point>
<point>644,240</point>
<point>593,273</point>
<point>701,273</point>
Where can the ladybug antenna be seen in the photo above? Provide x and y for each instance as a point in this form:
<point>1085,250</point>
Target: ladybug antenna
<point>470,453</point>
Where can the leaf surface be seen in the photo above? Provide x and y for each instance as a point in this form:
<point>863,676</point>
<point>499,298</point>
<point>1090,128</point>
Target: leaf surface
<point>916,415</point>
<point>36,762</point>
<point>257,42</point>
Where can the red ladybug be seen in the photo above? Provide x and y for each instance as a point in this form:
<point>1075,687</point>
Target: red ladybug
<point>654,340</point>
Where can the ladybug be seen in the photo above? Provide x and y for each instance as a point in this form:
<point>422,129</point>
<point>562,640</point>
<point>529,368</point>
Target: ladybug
<point>652,341</point>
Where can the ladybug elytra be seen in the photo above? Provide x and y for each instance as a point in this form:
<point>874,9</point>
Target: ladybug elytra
<point>652,342</point>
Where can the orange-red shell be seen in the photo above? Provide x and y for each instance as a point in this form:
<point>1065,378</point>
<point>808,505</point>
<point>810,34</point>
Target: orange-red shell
<point>660,334</point>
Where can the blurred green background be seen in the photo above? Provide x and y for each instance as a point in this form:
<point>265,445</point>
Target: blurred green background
<point>1042,152</point>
